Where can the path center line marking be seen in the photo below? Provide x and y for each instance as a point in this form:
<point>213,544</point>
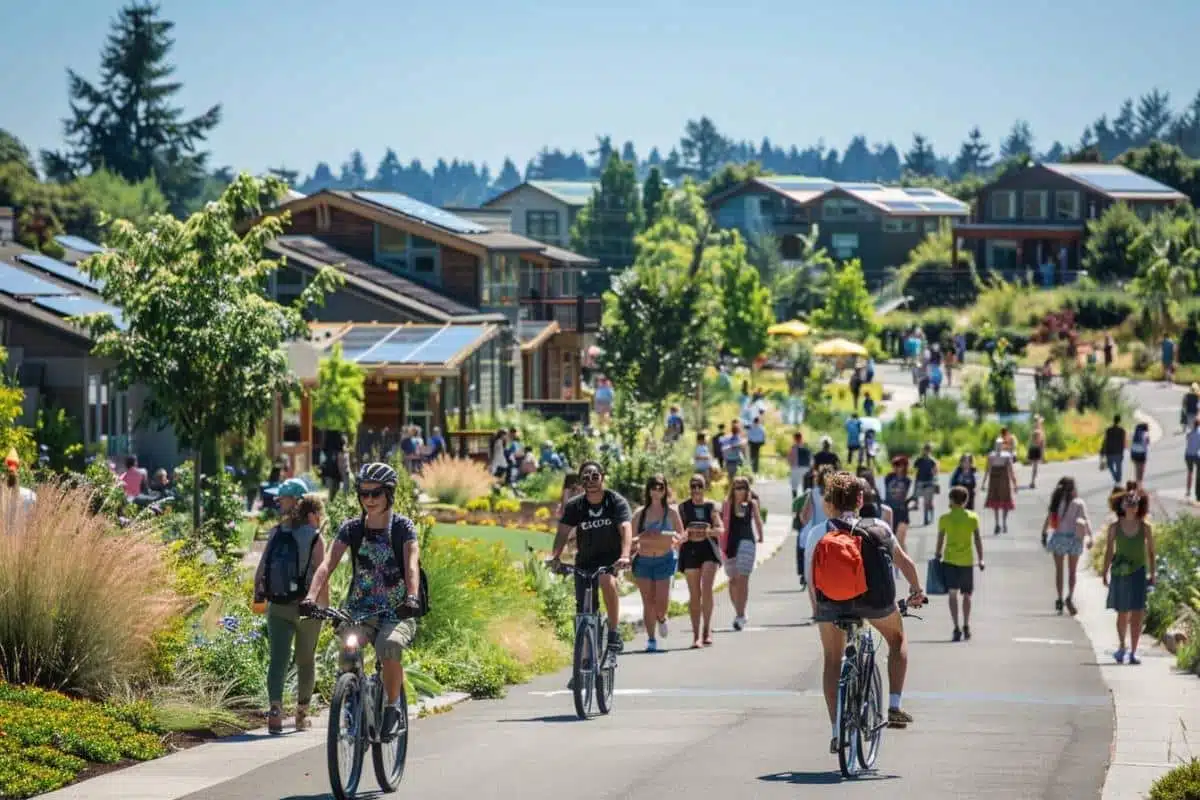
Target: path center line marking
<point>1031,640</point>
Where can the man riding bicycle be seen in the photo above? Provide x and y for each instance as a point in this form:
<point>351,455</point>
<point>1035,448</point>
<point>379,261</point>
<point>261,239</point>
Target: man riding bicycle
<point>386,581</point>
<point>843,500</point>
<point>601,519</point>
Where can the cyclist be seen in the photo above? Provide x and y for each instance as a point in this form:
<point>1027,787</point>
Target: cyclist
<point>386,579</point>
<point>843,502</point>
<point>603,529</point>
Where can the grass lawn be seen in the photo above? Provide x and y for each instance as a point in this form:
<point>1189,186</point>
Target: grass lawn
<point>515,539</point>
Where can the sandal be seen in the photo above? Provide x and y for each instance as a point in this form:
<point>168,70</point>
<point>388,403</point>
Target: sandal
<point>303,723</point>
<point>275,720</point>
<point>1070,604</point>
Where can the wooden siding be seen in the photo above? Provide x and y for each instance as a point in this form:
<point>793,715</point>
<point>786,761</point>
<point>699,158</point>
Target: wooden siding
<point>347,231</point>
<point>460,276</point>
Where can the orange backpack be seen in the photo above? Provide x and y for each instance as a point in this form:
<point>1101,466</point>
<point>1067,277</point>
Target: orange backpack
<point>838,570</point>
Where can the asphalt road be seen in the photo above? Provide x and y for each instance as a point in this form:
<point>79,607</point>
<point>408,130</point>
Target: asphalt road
<point>1020,711</point>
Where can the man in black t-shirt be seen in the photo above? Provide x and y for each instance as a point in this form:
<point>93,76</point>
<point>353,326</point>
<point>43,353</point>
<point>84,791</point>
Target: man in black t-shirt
<point>601,519</point>
<point>1112,453</point>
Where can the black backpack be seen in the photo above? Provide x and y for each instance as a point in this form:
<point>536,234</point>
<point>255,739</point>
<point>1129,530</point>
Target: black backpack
<point>283,580</point>
<point>356,533</point>
<point>877,561</point>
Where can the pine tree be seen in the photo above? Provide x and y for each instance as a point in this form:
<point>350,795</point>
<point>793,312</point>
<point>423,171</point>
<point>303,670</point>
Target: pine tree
<point>126,122</point>
<point>920,159</point>
<point>1019,141</point>
<point>652,195</point>
<point>606,226</point>
<point>975,155</point>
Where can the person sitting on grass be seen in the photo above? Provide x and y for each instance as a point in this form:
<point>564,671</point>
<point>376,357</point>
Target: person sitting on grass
<point>958,530</point>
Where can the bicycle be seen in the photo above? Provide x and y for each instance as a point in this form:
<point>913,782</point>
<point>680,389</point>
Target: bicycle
<point>358,705</point>
<point>861,716</point>
<point>588,682</point>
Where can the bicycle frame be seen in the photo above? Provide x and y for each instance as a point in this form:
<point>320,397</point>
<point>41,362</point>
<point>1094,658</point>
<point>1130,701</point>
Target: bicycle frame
<point>593,665</point>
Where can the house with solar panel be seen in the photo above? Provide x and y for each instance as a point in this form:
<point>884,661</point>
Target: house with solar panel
<point>874,223</point>
<point>1035,219</point>
<point>447,314</point>
<point>51,356</point>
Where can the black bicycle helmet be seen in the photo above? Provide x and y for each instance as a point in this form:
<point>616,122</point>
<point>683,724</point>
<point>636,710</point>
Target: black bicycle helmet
<point>377,472</point>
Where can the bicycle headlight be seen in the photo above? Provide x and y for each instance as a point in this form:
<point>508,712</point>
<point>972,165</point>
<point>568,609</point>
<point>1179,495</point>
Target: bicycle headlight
<point>350,643</point>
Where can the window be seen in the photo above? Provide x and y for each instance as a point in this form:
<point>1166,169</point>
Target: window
<point>501,279</point>
<point>1002,254</point>
<point>1033,205</point>
<point>542,225</point>
<point>289,284</point>
<point>403,252</point>
<point>1004,205</point>
<point>842,208</point>
<point>844,244</point>
<point>1066,205</point>
<point>899,225</point>
<point>930,224</point>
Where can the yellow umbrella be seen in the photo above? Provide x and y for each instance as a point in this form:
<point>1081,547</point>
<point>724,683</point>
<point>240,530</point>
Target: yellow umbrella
<point>839,347</point>
<point>791,328</point>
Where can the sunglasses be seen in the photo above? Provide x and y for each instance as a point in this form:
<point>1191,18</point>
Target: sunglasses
<point>696,486</point>
<point>380,492</point>
<point>657,487</point>
<point>590,476</point>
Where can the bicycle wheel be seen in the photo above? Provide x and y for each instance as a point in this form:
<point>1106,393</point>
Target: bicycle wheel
<point>390,756</point>
<point>344,743</point>
<point>584,680</point>
<point>607,674</point>
<point>872,717</point>
<point>847,721</point>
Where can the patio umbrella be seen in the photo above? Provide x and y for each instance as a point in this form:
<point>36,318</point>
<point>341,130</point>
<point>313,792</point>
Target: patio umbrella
<point>793,327</point>
<point>839,347</point>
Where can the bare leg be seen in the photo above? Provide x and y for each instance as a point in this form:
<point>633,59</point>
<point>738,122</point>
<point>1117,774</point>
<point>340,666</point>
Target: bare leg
<point>902,534</point>
<point>1072,569</point>
<point>1122,627</point>
<point>708,574</point>
<point>695,601</point>
<point>954,607</point>
<point>966,601</point>
<point>1136,618</point>
<point>1058,575</point>
<point>662,598</point>
<point>649,618</point>
<point>892,630</point>
<point>1033,477</point>
<point>833,642</point>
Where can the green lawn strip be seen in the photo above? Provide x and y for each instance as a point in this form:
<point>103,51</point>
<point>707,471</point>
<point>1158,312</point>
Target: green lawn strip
<point>517,540</point>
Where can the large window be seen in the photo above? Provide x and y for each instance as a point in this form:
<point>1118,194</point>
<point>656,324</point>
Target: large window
<point>842,208</point>
<point>1066,205</point>
<point>1033,204</point>
<point>289,284</point>
<point>1004,205</point>
<point>405,253</point>
<point>899,225</point>
<point>543,226</point>
<point>1002,254</point>
<point>501,279</point>
<point>845,245</point>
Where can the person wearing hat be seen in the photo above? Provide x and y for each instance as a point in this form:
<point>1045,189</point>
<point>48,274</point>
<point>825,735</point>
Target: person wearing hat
<point>16,498</point>
<point>1191,406</point>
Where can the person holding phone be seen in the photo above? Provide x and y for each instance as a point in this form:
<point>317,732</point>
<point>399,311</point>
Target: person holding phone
<point>699,557</point>
<point>1129,567</point>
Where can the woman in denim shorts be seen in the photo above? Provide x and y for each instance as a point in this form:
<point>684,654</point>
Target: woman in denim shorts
<point>658,532</point>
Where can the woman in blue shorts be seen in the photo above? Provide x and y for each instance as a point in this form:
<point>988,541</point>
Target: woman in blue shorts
<point>657,533</point>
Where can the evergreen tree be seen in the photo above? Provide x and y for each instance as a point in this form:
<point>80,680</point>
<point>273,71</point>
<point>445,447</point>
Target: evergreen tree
<point>653,192</point>
<point>920,159</point>
<point>354,172</point>
<point>1019,141</point>
<point>126,122</point>
<point>605,228</point>
<point>703,148</point>
<point>508,178</point>
<point>389,175</point>
<point>975,155</point>
<point>629,153</point>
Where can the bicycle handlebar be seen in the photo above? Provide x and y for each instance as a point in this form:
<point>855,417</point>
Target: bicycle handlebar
<point>570,569</point>
<point>904,612</point>
<point>337,616</point>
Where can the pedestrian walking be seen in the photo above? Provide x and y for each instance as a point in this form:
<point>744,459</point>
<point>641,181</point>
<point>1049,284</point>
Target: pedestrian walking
<point>1139,450</point>
<point>1129,567</point>
<point>1191,457</point>
<point>926,484</point>
<point>1191,406</point>
<point>853,436</point>
<point>1037,448</point>
<point>700,556</point>
<point>1000,485</point>
<point>897,487</point>
<point>756,437</point>
<point>1112,451</point>
<point>743,531</point>
<point>868,405</point>
<point>1065,532</point>
<point>702,457</point>
<point>657,531</point>
<point>959,549</point>
<point>799,462</point>
<point>734,449</point>
<point>964,476</point>
<point>808,512</point>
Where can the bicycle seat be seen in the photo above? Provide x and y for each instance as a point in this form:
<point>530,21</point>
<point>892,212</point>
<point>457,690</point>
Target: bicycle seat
<point>848,621</point>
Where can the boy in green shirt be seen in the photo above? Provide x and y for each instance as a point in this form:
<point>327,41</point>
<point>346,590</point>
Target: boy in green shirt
<point>958,530</point>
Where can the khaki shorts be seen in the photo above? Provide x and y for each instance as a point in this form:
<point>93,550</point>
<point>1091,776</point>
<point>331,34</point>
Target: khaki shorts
<point>390,639</point>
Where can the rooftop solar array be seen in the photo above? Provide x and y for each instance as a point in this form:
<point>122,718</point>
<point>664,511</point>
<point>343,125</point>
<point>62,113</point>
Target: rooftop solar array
<point>57,268</point>
<point>946,205</point>
<point>1111,178</point>
<point>79,243</point>
<point>799,183</point>
<point>861,187</point>
<point>919,192</point>
<point>19,283</point>
<point>903,205</point>
<point>74,306</point>
<point>422,211</point>
<point>403,345</point>
<point>578,190</point>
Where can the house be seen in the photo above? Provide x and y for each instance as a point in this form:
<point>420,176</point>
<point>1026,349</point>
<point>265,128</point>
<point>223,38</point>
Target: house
<point>421,269</point>
<point>545,210</point>
<point>874,223</point>
<point>51,356</point>
<point>1036,218</point>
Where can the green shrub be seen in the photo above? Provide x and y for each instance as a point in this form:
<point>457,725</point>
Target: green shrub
<point>1181,783</point>
<point>234,655</point>
<point>1098,310</point>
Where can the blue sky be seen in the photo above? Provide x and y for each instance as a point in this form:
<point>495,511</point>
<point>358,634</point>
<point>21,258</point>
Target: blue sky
<point>305,81</point>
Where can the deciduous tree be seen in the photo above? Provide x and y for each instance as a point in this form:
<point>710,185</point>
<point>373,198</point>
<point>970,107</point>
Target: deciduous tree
<point>338,402</point>
<point>746,307</point>
<point>848,305</point>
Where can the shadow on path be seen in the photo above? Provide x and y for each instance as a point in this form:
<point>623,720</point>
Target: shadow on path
<point>829,778</point>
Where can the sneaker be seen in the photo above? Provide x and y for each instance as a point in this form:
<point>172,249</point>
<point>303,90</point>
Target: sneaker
<point>997,531</point>
<point>1070,603</point>
<point>957,636</point>
<point>739,623</point>
<point>1133,659</point>
<point>615,643</point>
<point>275,720</point>
<point>391,720</point>
<point>898,718</point>
<point>1058,606</point>
<point>663,631</point>
<point>833,745</point>
<point>1119,655</point>
<point>967,632</point>
<point>651,646</point>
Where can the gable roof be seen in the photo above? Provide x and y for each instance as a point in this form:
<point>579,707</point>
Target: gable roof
<point>571,193</point>
<point>887,199</point>
<point>310,252</point>
<point>33,285</point>
<point>1116,181</point>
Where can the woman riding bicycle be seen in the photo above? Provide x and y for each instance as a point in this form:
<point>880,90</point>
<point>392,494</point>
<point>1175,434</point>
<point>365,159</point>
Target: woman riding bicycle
<point>386,581</point>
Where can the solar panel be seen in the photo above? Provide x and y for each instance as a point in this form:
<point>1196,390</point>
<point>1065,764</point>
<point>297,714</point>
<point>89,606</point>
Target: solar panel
<point>945,205</point>
<point>79,243</point>
<point>799,184</point>
<point>58,268</point>
<point>398,346</point>
<point>581,190</point>
<point>922,192</point>
<point>19,283</point>
<point>422,211</point>
<point>1115,180</point>
<point>903,205</point>
<point>861,187</point>
<point>448,343</point>
<point>75,306</point>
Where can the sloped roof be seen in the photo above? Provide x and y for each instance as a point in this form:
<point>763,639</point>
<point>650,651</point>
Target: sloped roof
<point>572,193</point>
<point>899,200</point>
<point>1116,181</point>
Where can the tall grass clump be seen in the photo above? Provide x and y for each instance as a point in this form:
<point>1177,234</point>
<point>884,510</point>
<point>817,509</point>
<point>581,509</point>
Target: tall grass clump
<point>456,481</point>
<point>81,600</point>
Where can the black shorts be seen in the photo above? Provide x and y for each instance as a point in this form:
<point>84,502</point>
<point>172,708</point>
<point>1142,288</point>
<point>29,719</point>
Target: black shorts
<point>1137,458</point>
<point>694,555</point>
<point>899,515</point>
<point>960,578</point>
<point>1035,454</point>
<point>589,562</point>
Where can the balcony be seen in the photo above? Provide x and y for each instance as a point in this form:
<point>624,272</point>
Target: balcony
<point>580,314</point>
